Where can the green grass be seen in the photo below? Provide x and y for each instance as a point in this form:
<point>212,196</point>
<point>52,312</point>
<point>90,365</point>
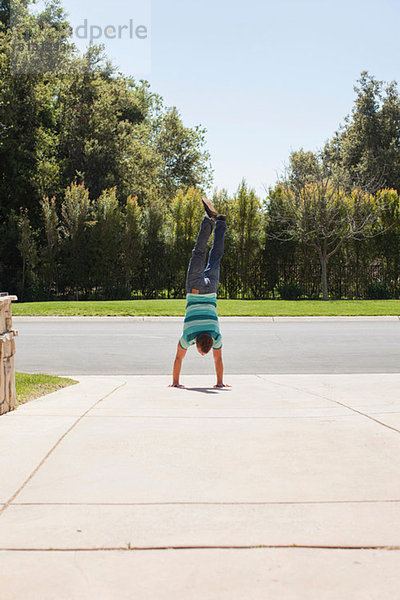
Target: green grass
<point>29,387</point>
<point>227,308</point>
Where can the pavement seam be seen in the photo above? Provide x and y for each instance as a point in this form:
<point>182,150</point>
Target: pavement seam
<point>102,416</point>
<point>227,373</point>
<point>52,449</point>
<point>255,503</point>
<point>257,417</point>
<point>130,548</point>
<point>359,412</point>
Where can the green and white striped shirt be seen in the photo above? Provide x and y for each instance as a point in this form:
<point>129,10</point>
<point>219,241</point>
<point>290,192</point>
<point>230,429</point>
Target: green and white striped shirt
<point>201,317</point>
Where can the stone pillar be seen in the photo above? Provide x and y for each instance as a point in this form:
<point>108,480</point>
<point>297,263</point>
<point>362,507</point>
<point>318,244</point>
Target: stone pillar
<point>7,351</point>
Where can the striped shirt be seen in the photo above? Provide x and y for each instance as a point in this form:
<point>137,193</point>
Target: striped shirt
<point>201,317</point>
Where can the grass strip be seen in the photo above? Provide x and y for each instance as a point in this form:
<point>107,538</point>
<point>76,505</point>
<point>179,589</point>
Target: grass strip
<point>29,387</point>
<point>227,308</point>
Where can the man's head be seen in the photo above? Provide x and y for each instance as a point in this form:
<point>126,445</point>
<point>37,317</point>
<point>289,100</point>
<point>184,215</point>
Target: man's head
<point>204,343</point>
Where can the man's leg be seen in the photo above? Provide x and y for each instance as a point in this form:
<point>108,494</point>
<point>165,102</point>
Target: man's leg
<point>195,274</point>
<point>213,268</point>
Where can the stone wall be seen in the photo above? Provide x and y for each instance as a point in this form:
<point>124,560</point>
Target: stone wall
<point>7,352</point>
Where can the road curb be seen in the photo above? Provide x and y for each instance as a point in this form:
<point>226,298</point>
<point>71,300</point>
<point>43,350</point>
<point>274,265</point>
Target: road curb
<point>389,318</point>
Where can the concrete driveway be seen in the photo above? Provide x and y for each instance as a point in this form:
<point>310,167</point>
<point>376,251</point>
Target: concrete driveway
<point>284,486</point>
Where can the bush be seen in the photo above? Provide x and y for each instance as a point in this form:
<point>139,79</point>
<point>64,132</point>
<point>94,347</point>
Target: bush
<point>290,291</point>
<point>377,291</point>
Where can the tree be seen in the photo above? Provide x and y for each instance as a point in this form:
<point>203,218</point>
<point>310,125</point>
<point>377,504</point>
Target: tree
<point>28,249</point>
<point>186,211</point>
<point>106,241</point>
<point>185,162</point>
<point>225,205</point>
<point>51,249</point>
<point>104,129</point>
<point>28,166</point>
<point>155,268</point>
<point>324,216</point>
<point>278,258</point>
<point>303,168</point>
<point>77,220</point>
<point>246,224</point>
<point>132,244</point>
<point>4,13</point>
<point>387,245</point>
<point>28,88</point>
<point>64,116</point>
<point>367,146</point>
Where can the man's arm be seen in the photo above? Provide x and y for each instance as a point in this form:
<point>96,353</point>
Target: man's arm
<point>180,355</point>
<point>219,368</point>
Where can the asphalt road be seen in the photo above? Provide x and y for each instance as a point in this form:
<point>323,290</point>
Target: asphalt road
<point>107,347</point>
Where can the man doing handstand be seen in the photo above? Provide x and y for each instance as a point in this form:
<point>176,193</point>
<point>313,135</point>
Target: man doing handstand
<point>201,320</point>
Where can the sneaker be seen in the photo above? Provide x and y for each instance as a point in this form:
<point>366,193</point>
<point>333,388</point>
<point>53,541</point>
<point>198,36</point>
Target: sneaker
<point>209,208</point>
<point>211,212</point>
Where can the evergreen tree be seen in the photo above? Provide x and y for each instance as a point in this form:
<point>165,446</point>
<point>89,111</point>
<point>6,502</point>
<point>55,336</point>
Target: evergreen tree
<point>132,244</point>
<point>246,225</point>
<point>106,241</point>
<point>50,252</point>
<point>155,275</point>
<point>77,221</point>
<point>186,214</point>
<point>27,247</point>
<point>367,147</point>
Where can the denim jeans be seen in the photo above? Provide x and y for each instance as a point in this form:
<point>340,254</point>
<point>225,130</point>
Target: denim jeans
<point>206,280</point>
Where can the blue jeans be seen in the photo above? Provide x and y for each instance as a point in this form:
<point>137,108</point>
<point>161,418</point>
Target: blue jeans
<point>206,280</point>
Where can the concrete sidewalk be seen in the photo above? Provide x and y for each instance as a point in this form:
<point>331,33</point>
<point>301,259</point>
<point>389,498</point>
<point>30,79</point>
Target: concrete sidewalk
<point>285,486</point>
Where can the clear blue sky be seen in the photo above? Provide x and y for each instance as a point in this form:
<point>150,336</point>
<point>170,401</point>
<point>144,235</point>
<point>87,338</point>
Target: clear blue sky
<point>263,76</point>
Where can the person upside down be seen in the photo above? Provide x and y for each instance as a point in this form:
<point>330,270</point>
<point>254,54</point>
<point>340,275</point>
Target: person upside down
<point>201,325</point>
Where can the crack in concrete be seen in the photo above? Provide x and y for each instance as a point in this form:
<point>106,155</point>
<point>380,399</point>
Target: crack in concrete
<point>317,395</point>
<point>52,449</point>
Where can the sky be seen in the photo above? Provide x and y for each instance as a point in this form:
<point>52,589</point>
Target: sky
<point>264,77</point>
